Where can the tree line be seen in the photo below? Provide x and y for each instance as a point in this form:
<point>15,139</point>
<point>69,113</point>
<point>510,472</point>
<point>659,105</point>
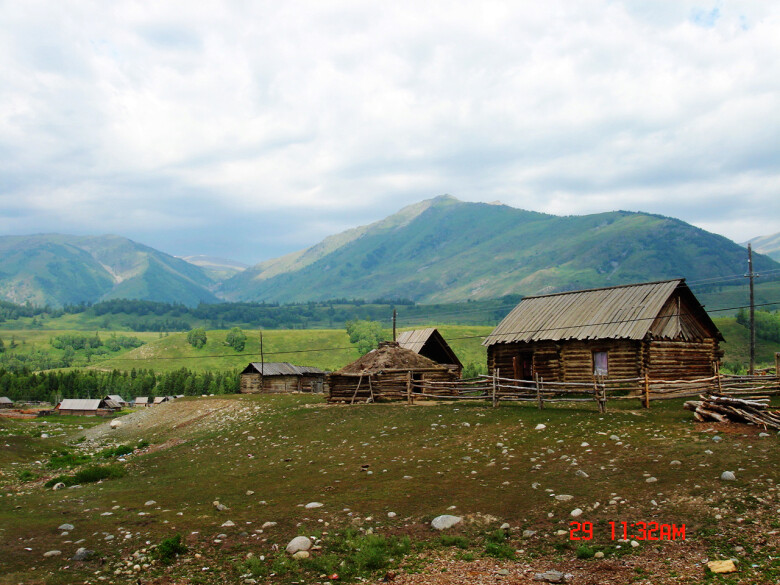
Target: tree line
<point>26,385</point>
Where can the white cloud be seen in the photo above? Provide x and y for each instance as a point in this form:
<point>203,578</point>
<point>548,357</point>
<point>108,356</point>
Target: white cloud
<point>135,115</point>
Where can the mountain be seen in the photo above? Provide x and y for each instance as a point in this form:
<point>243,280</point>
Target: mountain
<point>217,269</point>
<point>769,245</point>
<point>444,249</point>
<point>59,269</point>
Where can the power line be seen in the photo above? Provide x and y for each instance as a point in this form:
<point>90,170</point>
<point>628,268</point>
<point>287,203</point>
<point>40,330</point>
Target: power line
<point>328,349</point>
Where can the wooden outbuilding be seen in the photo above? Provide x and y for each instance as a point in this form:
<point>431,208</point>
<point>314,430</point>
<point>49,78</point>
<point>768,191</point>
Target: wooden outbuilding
<point>620,332</point>
<point>117,399</point>
<point>387,373</point>
<point>6,402</point>
<point>87,406</point>
<point>280,377</point>
<point>142,401</point>
<point>429,343</point>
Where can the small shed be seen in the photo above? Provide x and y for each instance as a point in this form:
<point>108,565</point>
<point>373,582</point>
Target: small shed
<point>385,373</point>
<point>86,406</point>
<point>142,401</point>
<point>280,377</point>
<point>658,328</point>
<point>117,399</point>
<point>161,399</point>
<point>6,402</point>
<point>429,343</point>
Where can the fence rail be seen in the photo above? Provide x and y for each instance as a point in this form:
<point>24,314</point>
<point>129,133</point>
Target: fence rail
<point>497,389</point>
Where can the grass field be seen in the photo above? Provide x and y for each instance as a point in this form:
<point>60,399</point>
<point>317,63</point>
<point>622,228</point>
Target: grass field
<point>328,349</point>
<point>264,457</point>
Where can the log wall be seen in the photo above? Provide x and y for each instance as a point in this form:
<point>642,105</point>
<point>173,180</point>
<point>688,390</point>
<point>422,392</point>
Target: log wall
<point>679,360</point>
<point>385,385</point>
<point>250,384</point>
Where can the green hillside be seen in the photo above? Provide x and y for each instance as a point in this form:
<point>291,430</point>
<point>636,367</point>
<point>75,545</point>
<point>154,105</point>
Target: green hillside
<point>448,250</point>
<point>328,349</point>
<point>56,270</point>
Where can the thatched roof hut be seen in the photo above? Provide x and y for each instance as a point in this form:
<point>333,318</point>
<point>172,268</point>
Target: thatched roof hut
<point>385,373</point>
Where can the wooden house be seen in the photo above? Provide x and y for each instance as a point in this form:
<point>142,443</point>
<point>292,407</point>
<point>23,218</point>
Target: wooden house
<point>385,373</point>
<point>658,328</point>
<point>6,402</point>
<point>117,399</point>
<point>142,401</point>
<point>87,406</point>
<point>280,377</point>
<point>429,343</point>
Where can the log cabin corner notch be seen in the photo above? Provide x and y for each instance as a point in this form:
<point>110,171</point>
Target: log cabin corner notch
<point>654,328</point>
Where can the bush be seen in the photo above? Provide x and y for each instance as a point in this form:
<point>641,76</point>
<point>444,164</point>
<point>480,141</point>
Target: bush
<point>142,444</point>
<point>27,475</point>
<point>499,551</point>
<point>454,540</point>
<point>197,337</point>
<point>116,451</point>
<point>66,459</point>
<point>168,549</point>
<point>236,339</point>
<point>585,552</point>
<point>88,475</point>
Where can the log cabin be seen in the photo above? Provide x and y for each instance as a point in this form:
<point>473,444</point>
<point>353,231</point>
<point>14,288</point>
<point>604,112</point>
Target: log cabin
<point>87,407</point>
<point>6,402</point>
<point>386,373</point>
<point>431,344</point>
<point>280,377</point>
<point>619,332</point>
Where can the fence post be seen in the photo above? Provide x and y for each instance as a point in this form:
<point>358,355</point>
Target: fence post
<point>409,388</point>
<point>718,378</point>
<point>647,390</point>
<point>539,392</point>
<point>603,396</point>
<point>495,380</point>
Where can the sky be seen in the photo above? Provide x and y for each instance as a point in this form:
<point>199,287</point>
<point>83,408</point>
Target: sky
<point>250,129</point>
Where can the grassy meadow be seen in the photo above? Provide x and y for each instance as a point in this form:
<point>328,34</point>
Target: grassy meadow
<point>265,457</point>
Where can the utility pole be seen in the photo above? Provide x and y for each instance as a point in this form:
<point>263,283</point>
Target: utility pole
<point>262,363</point>
<point>395,314</point>
<point>752,276</point>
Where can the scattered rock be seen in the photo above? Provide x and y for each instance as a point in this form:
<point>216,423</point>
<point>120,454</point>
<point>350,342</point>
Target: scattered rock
<point>614,438</point>
<point>502,572</point>
<point>391,514</point>
<point>116,423</point>
<point>505,526</point>
<point>150,503</point>
<point>249,492</point>
<point>82,554</point>
<point>634,544</point>
<point>268,524</point>
<point>44,436</point>
<point>228,524</point>
<point>540,427</point>
<point>445,521</point>
<point>716,439</point>
<point>553,577</point>
<point>299,543</point>
<point>312,505</point>
<point>763,434</point>
<point>599,555</point>
<point>675,462</point>
<point>728,476</point>
<point>651,480</point>
<point>58,486</point>
<point>220,507</point>
<point>576,513</point>
<point>67,527</point>
<point>301,554</point>
<point>726,566</point>
<point>581,473</point>
<point>52,553</point>
<point>528,533</point>
<point>564,497</point>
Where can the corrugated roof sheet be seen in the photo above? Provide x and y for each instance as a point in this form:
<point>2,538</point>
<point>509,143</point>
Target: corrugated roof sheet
<point>116,398</point>
<point>142,400</point>
<point>6,400</point>
<point>281,369</point>
<point>620,312</point>
<point>80,404</point>
<point>415,339</point>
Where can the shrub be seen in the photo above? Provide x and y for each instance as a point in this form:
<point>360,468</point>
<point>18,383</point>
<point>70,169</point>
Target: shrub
<point>499,551</point>
<point>142,444</point>
<point>454,540</point>
<point>168,549</point>
<point>66,459</point>
<point>116,451</point>
<point>585,552</point>
<point>27,475</point>
<point>95,473</point>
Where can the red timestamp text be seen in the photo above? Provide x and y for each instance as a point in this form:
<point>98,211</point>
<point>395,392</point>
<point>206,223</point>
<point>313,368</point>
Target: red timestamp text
<point>630,531</point>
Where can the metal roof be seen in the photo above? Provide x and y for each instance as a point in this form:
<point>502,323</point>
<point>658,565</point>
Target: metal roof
<point>280,369</point>
<point>619,312</point>
<point>142,400</point>
<point>6,400</point>
<point>116,398</point>
<point>80,404</point>
<point>415,339</point>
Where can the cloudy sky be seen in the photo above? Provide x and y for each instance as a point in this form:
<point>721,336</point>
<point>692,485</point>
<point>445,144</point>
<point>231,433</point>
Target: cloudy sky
<point>249,129</point>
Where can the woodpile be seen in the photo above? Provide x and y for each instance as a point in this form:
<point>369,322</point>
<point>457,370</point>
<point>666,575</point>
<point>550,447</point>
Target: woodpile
<point>743,410</point>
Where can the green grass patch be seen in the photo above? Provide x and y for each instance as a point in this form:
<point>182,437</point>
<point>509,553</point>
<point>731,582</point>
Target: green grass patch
<point>454,540</point>
<point>117,451</point>
<point>89,474</point>
<point>168,549</point>
<point>66,459</point>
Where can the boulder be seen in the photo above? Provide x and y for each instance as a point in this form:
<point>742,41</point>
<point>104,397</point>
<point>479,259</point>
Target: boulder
<point>301,554</point>
<point>116,423</point>
<point>52,553</point>
<point>312,505</point>
<point>67,527</point>
<point>726,566</point>
<point>728,476</point>
<point>82,554</point>
<point>299,543</point>
<point>58,486</point>
<point>445,521</point>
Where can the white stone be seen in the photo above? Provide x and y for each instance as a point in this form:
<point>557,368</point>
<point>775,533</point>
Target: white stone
<point>228,524</point>
<point>298,543</point>
<point>651,480</point>
<point>728,476</point>
<point>52,553</point>
<point>268,524</point>
<point>301,554</point>
<point>540,427</point>
<point>150,503</point>
<point>445,521</point>
<point>312,505</point>
<point>581,473</point>
<point>391,514</point>
<point>634,543</point>
<point>115,424</point>
<point>564,497</point>
<point>576,513</point>
<point>66,527</point>
<point>614,438</point>
<point>599,555</point>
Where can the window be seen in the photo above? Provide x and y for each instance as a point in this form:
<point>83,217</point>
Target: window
<point>600,363</point>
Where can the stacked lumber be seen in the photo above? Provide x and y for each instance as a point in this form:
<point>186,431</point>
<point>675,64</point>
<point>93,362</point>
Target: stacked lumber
<point>718,408</point>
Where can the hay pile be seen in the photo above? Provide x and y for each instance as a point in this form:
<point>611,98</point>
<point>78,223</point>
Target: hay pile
<point>389,356</point>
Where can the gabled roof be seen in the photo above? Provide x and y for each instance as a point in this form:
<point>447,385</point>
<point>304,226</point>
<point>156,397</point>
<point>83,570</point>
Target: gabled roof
<point>6,400</point>
<point>80,404</point>
<point>142,400</point>
<point>115,398</point>
<point>429,343</point>
<point>279,369</point>
<point>620,312</point>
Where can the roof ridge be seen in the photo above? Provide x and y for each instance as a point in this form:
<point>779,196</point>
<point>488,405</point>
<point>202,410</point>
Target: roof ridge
<point>571,292</point>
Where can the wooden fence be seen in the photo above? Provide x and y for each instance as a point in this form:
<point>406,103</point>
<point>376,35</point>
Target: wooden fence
<point>496,389</point>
